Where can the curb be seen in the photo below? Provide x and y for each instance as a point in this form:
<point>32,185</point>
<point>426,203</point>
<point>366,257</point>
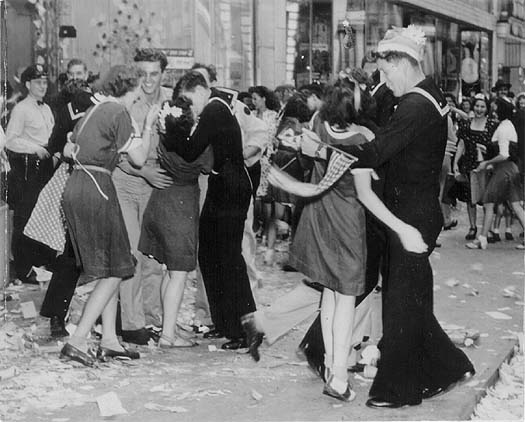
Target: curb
<point>468,409</point>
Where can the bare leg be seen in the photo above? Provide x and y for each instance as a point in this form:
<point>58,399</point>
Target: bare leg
<point>472,214</point>
<point>278,214</point>
<point>343,324</point>
<point>487,219</point>
<point>327,322</point>
<point>104,291</point>
<point>518,210</point>
<point>109,330</point>
<point>171,300</point>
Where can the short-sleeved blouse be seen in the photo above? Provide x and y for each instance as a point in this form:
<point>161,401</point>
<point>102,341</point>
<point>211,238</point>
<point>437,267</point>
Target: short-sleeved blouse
<point>106,131</point>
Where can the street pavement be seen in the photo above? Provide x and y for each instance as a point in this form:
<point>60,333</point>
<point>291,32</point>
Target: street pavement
<point>475,291</point>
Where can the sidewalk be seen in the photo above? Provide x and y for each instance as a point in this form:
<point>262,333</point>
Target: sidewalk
<point>202,385</point>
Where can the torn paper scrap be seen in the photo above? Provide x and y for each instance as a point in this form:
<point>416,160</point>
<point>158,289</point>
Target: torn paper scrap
<point>28,309</point>
<point>109,405</point>
<point>163,408</point>
<point>498,315</point>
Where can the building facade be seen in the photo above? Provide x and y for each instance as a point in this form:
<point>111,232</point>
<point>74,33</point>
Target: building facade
<point>471,43</point>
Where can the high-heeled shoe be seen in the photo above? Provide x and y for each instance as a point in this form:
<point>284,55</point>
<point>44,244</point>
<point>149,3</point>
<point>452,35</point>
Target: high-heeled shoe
<point>104,354</point>
<point>70,352</point>
<point>347,396</point>
<point>175,342</point>
<point>471,235</point>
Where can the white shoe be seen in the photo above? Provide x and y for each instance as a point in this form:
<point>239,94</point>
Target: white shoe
<point>480,243</point>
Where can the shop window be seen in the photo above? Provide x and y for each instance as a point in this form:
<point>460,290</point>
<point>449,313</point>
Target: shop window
<point>309,41</point>
<point>224,37</point>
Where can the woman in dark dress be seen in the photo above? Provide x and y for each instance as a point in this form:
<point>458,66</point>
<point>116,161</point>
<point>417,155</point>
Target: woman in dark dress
<point>222,218</point>
<point>473,139</point>
<point>505,184</point>
<point>94,219</point>
<point>170,226</point>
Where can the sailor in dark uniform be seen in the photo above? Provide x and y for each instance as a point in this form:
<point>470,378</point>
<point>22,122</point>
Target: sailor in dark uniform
<point>222,217</point>
<point>418,360</point>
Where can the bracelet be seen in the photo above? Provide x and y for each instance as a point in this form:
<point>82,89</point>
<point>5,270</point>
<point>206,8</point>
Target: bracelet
<point>148,128</point>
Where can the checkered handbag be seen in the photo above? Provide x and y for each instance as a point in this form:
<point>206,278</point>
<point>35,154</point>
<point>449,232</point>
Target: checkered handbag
<point>337,166</point>
<point>47,223</point>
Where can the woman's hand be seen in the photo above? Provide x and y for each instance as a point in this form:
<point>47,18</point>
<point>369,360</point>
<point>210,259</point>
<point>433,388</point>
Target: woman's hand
<point>412,240</point>
<point>455,169</point>
<point>69,149</point>
<point>310,143</point>
<point>152,116</point>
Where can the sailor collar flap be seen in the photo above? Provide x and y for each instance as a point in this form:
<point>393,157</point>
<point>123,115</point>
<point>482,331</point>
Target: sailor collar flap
<point>442,109</point>
<point>226,96</point>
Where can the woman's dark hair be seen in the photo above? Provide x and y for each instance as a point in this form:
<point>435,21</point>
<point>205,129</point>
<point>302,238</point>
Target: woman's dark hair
<point>119,80</point>
<point>189,82</point>
<point>312,89</point>
<point>270,99</point>
<point>368,106</point>
<point>296,107</point>
<point>338,107</point>
<point>483,99</point>
<point>210,69</point>
<point>504,109</point>
<point>70,89</point>
<point>451,96</point>
<point>178,128</point>
<point>151,55</point>
<point>467,100</point>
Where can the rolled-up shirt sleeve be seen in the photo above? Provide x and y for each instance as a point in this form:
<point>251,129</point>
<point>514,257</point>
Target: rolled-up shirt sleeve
<point>14,131</point>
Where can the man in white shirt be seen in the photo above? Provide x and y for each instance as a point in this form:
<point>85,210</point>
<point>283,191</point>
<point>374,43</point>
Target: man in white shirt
<point>27,136</point>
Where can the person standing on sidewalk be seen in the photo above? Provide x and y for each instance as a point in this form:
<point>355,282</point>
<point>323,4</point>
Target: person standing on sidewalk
<point>140,295</point>
<point>27,137</point>
<point>418,360</point>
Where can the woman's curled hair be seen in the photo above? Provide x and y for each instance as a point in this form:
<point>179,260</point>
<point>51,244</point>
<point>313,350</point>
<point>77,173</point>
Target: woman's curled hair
<point>119,80</point>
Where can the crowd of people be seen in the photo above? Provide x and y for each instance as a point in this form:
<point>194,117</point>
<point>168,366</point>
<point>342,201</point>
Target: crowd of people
<point>130,186</point>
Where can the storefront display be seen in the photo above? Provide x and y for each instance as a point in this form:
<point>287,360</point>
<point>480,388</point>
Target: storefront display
<point>312,41</point>
<point>457,55</point>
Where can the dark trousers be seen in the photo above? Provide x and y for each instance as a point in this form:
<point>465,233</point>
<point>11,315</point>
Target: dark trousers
<point>62,285</point>
<point>224,273</point>
<point>415,351</point>
<point>26,179</point>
